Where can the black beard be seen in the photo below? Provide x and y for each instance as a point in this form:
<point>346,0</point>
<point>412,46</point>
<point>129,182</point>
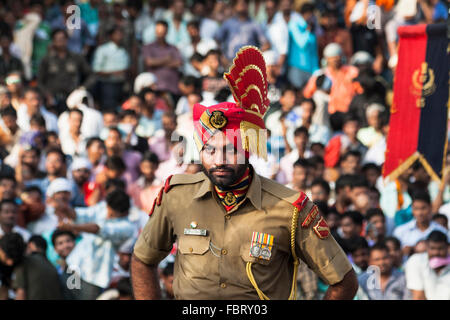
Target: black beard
<point>225,182</point>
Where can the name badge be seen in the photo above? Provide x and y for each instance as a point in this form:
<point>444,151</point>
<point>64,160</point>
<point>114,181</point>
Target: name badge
<point>195,232</point>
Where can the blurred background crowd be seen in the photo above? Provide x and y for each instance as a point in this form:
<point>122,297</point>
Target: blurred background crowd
<point>96,103</point>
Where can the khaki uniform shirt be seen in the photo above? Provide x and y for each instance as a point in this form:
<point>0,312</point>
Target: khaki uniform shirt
<point>214,266</point>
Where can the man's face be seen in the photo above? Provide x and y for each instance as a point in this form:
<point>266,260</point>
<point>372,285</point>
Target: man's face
<point>81,176</point>
<point>334,62</point>
<point>114,141</point>
<point>7,189</point>
<point>212,61</point>
<point>421,211</point>
<point>54,164</point>
<point>32,100</point>
<point>285,5</point>
<point>379,224</point>
<point>307,110</point>
<point>382,260</point>
<point>300,176</point>
<point>110,120</point>
<point>124,260</point>
<point>193,31</point>
<point>160,31</point>
<point>220,161</point>
<point>318,193</point>
<point>168,124</point>
<point>75,120</point>
<point>395,253</point>
<point>60,41</point>
<point>148,169</point>
<point>350,165</point>
<point>372,176</point>
<point>64,245</point>
<point>10,122</point>
<point>361,258</point>
<point>437,249</point>
<point>348,228</point>
<point>168,284</point>
<point>271,8</point>
<point>287,100</point>
<point>332,220</point>
<point>62,197</point>
<point>300,141</point>
<point>351,128</point>
<point>8,214</point>
<point>241,7</point>
<point>360,197</point>
<point>95,151</point>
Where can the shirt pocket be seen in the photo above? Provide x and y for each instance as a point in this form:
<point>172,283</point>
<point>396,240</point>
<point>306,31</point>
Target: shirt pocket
<point>193,245</point>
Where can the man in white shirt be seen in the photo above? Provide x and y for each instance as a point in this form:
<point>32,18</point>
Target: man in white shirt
<point>31,105</point>
<point>428,273</point>
<point>73,142</point>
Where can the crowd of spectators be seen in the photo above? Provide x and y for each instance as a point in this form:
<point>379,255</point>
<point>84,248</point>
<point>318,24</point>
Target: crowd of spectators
<point>96,103</point>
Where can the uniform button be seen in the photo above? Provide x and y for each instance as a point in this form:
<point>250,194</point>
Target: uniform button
<point>224,251</point>
<point>190,249</point>
<point>223,285</point>
<point>228,217</point>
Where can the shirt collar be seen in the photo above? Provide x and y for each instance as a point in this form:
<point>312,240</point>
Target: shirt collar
<point>253,193</point>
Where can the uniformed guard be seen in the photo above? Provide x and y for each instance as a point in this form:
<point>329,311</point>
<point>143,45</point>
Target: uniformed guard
<point>238,235</point>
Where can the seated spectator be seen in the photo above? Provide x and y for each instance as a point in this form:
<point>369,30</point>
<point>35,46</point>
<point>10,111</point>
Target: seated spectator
<point>376,226</point>
<point>166,276</point>
<point>9,211</point>
<point>359,254</point>
<point>359,193</point>
<point>34,277</point>
<point>395,251</point>
<point>300,151</point>
<point>385,282</point>
<point>320,190</point>
<point>341,143</point>
<point>428,273</point>
<point>342,193</point>
<point>300,176</point>
<point>440,219</point>
<point>303,115</point>
<point>349,163</point>
<point>349,229</point>
<point>421,226</point>
<point>102,235</point>
<point>146,187</point>
<point>371,172</point>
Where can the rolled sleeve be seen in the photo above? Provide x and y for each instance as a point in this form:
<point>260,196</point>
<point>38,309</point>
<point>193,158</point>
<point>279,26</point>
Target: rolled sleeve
<point>323,256</point>
<point>156,239</point>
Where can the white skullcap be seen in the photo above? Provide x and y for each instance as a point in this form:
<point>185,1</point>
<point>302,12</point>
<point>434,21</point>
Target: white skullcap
<point>143,80</point>
<point>76,97</point>
<point>332,50</point>
<point>80,163</point>
<point>361,57</point>
<point>406,8</point>
<point>271,57</point>
<point>374,107</point>
<point>59,185</point>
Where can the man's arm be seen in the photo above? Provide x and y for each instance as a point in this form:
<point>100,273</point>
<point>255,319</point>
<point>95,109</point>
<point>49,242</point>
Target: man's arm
<point>144,279</point>
<point>418,295</point>
<point>343,290</point>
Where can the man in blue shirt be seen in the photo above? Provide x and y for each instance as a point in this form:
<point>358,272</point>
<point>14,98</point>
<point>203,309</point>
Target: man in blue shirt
<point>421,226</point>
<point>239,31</point>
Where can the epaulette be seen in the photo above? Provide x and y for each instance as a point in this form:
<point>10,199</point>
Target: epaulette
<point>278,190</point>
<point>173,180</point>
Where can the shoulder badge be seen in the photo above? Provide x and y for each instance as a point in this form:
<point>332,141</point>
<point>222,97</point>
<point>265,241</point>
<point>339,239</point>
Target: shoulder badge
<point>310,217</point>
<point>321,229</point>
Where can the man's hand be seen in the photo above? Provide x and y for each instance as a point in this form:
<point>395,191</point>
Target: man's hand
<point>344,290</point>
